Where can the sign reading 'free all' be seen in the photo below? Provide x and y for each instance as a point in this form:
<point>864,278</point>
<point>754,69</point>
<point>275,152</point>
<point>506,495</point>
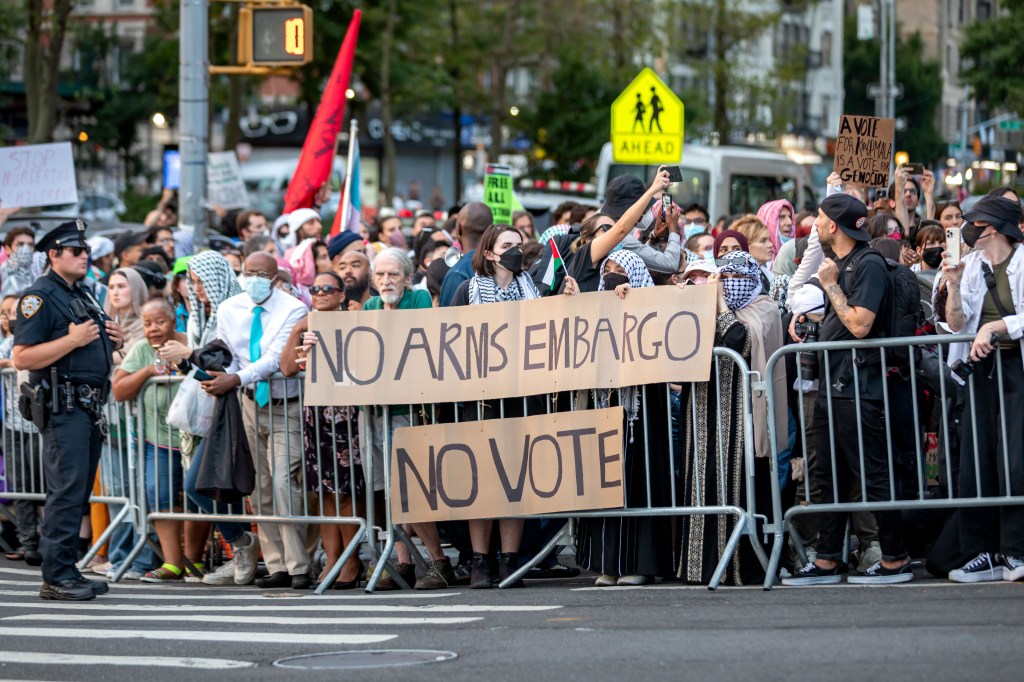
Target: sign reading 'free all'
<point>561,462</point>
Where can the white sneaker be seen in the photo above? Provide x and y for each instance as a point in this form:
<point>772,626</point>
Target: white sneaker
<point>246,559</point>
<point>980,569</point>
<point>869,557</point>
<point>225,575</point>
<point>1013,568</point>
<point>131,574</point>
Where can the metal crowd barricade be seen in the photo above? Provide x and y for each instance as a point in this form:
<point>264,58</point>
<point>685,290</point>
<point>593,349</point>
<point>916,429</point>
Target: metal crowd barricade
<point>925,369</point>
<point>278,457</point>
<point>23,462</point>
<point>744,514</point>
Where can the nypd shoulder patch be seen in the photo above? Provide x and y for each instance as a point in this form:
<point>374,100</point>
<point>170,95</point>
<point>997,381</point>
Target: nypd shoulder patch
<point>30,306</point>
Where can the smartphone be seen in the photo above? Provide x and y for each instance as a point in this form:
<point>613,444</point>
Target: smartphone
<point>881,193</point>
<point>666,203</point>
<point>953,245</point>
<point>172,169</point>
<point>675,173</point>
<point>201,375</point>
<point>914,168</point>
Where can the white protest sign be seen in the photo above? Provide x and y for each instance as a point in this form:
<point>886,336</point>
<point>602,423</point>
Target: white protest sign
<point>224,184</point>
<point>37,175</point>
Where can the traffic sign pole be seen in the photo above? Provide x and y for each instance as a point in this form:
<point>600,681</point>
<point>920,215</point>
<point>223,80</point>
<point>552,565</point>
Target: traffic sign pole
<point>193,107</point>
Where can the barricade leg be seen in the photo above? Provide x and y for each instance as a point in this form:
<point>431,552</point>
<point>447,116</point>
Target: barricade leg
<point>346,554</point>
<point>6,514</point>
<point>730,549</point>
<point>565,534</point>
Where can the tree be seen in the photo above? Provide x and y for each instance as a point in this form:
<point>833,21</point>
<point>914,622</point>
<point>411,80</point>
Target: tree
<point>995,53</point>
<point>44,43</point>
<point>922,90</point>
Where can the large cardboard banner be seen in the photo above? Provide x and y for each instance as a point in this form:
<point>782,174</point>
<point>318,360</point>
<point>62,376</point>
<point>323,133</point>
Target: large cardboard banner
<point>566,461</point>
<point>507,350</point>
<point>37,175</point>
<point>864,150</point>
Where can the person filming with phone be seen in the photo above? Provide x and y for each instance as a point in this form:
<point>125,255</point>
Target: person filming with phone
<point>986,298</point>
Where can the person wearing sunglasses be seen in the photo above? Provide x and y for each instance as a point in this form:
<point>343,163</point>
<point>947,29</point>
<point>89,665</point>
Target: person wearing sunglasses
<point>66,342</point>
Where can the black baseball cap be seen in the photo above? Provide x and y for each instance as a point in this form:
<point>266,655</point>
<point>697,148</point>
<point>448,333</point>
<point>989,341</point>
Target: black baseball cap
<point>71,233</point>
<point>849,214</point>
<point>1001,213</point>
<point>621,193</point>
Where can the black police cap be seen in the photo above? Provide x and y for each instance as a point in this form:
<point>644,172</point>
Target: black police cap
<point>71,233</point>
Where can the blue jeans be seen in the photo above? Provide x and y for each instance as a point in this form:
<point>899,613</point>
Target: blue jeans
<point>113,472</point>
<point>163,477</point>
<point>229,530</point>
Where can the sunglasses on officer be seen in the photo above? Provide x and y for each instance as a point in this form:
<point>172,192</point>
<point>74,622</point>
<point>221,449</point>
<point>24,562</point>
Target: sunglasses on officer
<point>77,251</point>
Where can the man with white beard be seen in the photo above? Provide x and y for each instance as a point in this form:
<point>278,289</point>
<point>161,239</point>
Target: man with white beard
<point>392,277</point>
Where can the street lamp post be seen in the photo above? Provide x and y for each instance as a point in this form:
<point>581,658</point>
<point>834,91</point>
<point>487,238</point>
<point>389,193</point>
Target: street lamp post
<point>194,115</point>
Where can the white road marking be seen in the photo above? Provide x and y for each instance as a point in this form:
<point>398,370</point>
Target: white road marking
<point>195,635</point>
<point>49,658</point>
<point>202,594</point>
<point>103,605</point>
<point>248,620</point>
<point>20,571</point>
<point>732,588</point>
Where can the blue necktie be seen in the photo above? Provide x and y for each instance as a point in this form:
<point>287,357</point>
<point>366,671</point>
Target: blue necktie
<point>255,336</point>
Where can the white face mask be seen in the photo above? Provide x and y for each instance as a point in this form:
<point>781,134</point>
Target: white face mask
<point>258,288</point>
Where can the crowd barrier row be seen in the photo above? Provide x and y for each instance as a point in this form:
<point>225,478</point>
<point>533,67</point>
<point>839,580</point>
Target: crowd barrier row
<point>301,468</point>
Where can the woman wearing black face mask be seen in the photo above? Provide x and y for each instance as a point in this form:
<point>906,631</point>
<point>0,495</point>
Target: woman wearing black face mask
<point>929,243</point>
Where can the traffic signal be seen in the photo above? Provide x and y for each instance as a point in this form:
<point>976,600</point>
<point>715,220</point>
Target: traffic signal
<point>275,35</point>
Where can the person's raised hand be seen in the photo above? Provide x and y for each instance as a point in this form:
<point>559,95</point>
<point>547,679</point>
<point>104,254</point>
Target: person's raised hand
<point>928,183</point>
<point>354,305</point>
<point>174,351</point>
<point>83,334</point>
<point>571,288</point>
<point>834,180</point>
<point>953,273</point>
<point>660,183</point>
<point>308,340</point>
<point>622,290</point>
<point>323,195</point>
<point>828,272</point>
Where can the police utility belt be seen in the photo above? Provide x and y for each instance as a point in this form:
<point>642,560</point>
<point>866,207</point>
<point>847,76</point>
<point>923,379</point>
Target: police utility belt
<point>52,397</point>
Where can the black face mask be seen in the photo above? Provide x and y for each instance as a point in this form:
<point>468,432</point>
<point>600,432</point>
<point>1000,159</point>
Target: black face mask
<point>614,279</point>
<point>970,233</point>
<point>932,256</point>
<point>512,260</point>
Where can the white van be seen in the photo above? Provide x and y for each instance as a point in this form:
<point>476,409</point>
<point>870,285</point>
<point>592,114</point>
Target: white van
<point>728,180</point>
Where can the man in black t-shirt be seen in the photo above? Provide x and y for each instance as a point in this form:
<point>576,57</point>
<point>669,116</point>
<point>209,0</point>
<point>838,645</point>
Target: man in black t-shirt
<point>849,414</point>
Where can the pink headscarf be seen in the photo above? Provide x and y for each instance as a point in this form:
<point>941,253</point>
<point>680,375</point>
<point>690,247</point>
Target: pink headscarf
<point>769,215</point>
<point>302,262</point>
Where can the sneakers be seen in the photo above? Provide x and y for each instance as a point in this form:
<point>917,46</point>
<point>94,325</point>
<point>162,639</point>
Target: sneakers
<point>812,574</point>
<point>1013,568</point>
<point>880,575</point>
<point>981,569</point>
<point>245,560</point>
<point>387,583</point>
<point>225,575</point>
<point>439,576</point>
<point>869,557</point>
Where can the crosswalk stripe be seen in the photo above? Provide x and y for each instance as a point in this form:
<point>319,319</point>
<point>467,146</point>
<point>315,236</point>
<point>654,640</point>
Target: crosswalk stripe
<point>49,658</point>
<point>195,635</point>
<point>20,571</point>
<point>247,620</point>
<point>102,605</point>
<point>202,594</point>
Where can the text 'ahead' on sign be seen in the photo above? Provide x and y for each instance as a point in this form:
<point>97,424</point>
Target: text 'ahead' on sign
<point>647,122</point>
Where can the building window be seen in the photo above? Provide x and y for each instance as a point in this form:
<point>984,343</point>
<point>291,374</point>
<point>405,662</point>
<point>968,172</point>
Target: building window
<point>984,10</point>
<point>125,3</point>
<point>826,48</point>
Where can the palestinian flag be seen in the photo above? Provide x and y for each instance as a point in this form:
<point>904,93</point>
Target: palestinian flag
<point>553,265</point>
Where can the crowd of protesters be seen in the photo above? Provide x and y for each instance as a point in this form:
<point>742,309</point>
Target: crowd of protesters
<point>781,277</point>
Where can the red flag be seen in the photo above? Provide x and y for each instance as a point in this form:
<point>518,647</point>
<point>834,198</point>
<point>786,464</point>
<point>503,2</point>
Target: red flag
<point>318,150</point>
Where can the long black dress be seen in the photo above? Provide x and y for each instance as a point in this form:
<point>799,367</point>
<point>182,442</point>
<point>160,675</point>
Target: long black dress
<point>636,545</point>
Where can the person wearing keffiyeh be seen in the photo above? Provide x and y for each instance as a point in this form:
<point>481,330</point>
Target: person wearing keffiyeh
<point>633,550</point>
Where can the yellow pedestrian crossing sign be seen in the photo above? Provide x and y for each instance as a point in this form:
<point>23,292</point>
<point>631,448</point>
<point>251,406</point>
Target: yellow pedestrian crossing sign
<point>647,122</point>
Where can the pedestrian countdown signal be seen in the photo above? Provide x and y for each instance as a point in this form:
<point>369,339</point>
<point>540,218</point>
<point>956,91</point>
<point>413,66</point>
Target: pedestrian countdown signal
<point>275,35</point>
<point>647,122</point>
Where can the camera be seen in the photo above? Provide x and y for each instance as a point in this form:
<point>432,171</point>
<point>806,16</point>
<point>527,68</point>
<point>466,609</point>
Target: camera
<point>965,368</point>
<point>808,331</point>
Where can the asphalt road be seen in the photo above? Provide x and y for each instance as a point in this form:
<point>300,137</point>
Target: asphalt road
<point>552,630</point>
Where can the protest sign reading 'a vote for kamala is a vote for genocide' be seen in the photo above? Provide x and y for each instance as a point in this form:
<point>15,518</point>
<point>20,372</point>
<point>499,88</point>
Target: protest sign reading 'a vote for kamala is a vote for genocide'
<point>567,461</point>
<point>37,175</point>
<point>507,350</point>
<point>864,150</point>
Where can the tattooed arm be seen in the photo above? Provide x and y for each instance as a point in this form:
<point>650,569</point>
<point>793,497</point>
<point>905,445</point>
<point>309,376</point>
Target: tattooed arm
<point>956,318</point>
<point>858,320</point>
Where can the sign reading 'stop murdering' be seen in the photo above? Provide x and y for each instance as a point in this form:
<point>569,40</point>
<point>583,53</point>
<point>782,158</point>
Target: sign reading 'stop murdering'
<point>508,350</point>
<point>647,122</point>
<point>37,175</point>
<point>864,150</point>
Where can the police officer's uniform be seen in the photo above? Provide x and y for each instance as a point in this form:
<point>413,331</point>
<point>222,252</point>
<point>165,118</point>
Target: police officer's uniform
<point>74,389</point>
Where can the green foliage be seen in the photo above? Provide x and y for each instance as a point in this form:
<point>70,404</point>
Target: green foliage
<point>922,90</point>
<point>138,205</point>
<point>997,53</point>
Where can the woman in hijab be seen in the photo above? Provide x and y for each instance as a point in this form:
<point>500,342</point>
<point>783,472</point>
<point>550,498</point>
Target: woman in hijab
<point>728,241</point>
<point>126,293</point>
<point>633,550</point>
<point>211,282</point>
<point>714,434</point>
<point>777,216</point>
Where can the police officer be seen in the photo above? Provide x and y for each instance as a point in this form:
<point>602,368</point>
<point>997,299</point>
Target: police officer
<point>65,341</point>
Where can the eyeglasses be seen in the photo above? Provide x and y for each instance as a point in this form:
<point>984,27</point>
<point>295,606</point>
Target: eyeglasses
<point>262,273</point>
<point>325,289</point>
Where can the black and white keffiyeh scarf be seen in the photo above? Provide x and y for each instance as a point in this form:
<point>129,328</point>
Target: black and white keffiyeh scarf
<point>220,284</point>
<point>483,289</point>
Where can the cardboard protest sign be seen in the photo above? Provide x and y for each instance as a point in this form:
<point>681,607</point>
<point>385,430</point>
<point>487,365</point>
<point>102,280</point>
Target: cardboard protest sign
<point>498,193</point>
<point>224,184</point>
<point>37,175</point>
<point>864,150</point>
<point>506,350</point>
<point>567,461</point>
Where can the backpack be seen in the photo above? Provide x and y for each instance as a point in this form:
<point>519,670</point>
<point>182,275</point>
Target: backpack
<point>902,315</point>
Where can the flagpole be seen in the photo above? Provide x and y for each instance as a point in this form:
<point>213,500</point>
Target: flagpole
<point>346,197</point>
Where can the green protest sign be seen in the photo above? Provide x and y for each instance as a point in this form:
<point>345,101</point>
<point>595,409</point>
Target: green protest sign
<point>498,192</point>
